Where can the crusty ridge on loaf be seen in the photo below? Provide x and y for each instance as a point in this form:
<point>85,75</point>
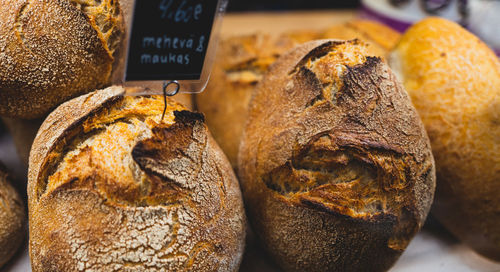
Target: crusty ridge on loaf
<point>105,18</point>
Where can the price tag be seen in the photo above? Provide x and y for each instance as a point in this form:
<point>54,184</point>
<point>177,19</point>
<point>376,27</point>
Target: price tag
<point>173,40</point>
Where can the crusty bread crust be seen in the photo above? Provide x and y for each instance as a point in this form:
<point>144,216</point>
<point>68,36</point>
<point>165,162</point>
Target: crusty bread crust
<point>453,79</point>
<point>52,50</point>
<point>112,187</point>
<point>335,165</point>
<point>242,61</point>
<point>12,218</point>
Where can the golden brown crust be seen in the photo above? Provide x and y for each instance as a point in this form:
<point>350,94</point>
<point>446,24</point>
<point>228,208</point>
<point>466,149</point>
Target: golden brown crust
<point>12,218</point>
<point>53,50</point>
<point>113,187</point>
<point>453,79</point>
<point>23,131</point>
<point>242,61</point>
<point>335,165</point>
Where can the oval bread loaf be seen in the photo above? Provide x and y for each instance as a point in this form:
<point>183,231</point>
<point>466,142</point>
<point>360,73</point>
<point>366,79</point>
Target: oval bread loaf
<point>53,50</point>
<point>243,60</point>
<point>12,218</point>
<point>112,187</point>
<point>453,79</point>
<point>335,165</point>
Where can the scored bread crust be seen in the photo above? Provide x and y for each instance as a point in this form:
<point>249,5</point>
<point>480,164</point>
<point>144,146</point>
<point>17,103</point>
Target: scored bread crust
<point>335,165</point>
<point>54,50</point>
<point>114,188</point>
<point>242,61</point>
<point>12,218</point>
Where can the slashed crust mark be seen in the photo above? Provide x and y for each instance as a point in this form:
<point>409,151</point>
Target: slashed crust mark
<point>19,23</point>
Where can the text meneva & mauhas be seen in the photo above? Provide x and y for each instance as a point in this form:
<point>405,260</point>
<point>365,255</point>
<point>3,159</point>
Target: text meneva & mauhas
<point>171,45</point>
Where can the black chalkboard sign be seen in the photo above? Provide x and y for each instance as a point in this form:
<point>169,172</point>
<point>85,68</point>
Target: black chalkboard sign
<point>169,39</point>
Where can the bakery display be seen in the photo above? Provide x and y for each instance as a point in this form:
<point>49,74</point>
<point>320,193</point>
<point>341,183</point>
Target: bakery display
<point>242,60</point>
<point>326,170</point>
<point>12,218</point>
<point>335,166</point>
<point>453,79</point>
<point>51,51</point>
<point>114,187</point>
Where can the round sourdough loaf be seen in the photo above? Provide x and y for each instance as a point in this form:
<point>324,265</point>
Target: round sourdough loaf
<point>453,79</point>
<point>112,187</point>
<point>12,218</point>
<point>52,50</point>
<point>335,165</point>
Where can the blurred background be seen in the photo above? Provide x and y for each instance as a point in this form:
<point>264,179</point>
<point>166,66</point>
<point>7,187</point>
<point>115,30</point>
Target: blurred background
<point>479,16</point>
<point>256,5</point>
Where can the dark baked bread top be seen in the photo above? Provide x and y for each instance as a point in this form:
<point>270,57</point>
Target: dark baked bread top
<point>331,129</point>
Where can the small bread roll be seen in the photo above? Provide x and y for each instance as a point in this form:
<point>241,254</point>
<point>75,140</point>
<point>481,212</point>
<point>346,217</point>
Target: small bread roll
<point>453,79</point>
<point>335,165</point>
<point>53,50</point>
<point>380,38</point>
<point>112,187</point>
<point>12,218</point>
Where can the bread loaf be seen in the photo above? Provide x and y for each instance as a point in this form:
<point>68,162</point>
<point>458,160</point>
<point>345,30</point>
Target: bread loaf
<point>112,187</point>
<point>12,218</point>
<point>52,50</point>
<point>453,79</point>
<point>335,165</point>
<point>242,61</point>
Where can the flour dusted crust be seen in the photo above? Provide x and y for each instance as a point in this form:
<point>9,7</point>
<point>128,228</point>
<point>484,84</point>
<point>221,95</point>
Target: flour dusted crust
<point>12,218</point>
<point>335,165</point>
<point>453,79</point>
<point>114,188</point>
<point>53,50</point>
